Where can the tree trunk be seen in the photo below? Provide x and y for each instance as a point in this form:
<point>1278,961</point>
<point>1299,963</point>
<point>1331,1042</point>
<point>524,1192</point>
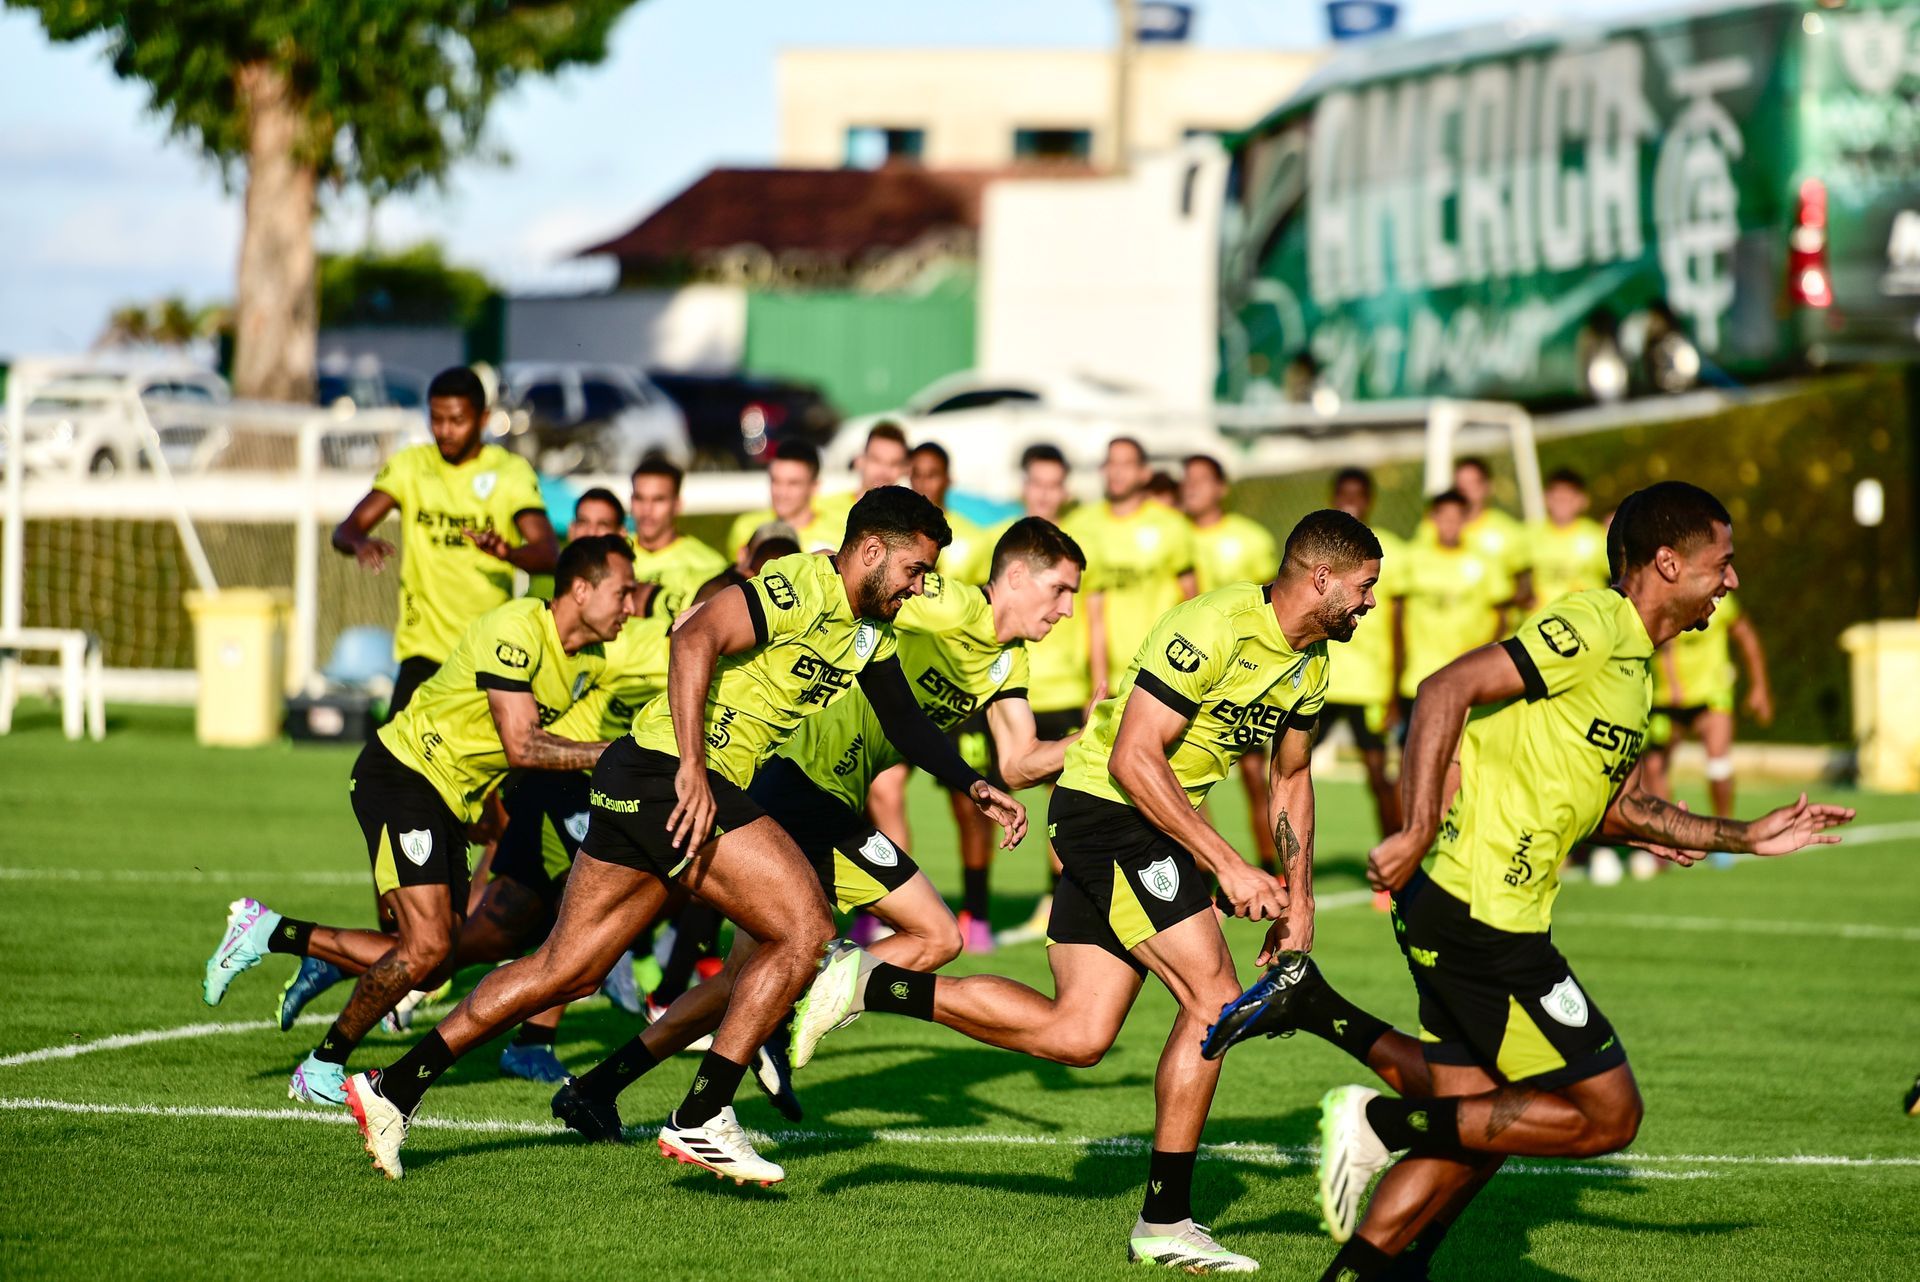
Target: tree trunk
<point>275,311</point>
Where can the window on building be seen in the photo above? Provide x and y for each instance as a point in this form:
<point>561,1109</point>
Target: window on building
<point>873,146</point>
<point>1053,144</point>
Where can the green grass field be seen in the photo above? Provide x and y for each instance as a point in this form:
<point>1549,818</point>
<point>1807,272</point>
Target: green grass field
<point>1769,1009</point>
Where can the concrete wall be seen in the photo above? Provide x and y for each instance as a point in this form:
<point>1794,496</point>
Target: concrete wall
<point>970,101</point>
<point>700,327</point>
<point>1112,277</point>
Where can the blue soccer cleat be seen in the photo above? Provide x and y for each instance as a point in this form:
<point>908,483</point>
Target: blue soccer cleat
<point>534,1063</point>
<point>1267,1007</point>
<point>312,979</point>
<point>317,1081</point>
<point>620,985</point>
<point>249,924</point>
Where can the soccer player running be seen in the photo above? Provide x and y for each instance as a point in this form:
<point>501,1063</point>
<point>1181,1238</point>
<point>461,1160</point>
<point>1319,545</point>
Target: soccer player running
<point>423,779</point>
<point>793,484</point>
<point>470,515</point>
<point>1522,1060</point>
<point>743,671</point>
<point>961,648</point>
<point>1230,548</point>
<point>1219,676</point>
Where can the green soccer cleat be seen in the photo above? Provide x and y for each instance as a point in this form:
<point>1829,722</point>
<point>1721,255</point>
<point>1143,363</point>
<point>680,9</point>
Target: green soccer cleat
<point>827,1001</point>
<point>1350,1156</point>
<point>1188,1247</point>
<point>249,924</point>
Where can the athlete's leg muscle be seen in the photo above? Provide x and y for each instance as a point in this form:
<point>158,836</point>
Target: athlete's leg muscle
<point>421,957</point>
<point>926,936</point>
<point>1192,960</point>
<point>1418,1190</point>
<point>1095,990</point>
<point>509,922</point>
<point>699,1010</point>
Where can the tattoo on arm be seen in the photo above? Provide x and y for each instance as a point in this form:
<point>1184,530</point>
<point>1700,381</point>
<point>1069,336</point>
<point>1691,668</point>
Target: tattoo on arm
<point>1648,816</point>
<point>1289,847</point>
<point>1507,1105</point>
<point>545,751</point>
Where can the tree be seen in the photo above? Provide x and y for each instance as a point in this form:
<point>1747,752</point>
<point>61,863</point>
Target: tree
<point>383,95</point>
<point>167,322</point>
<point>412,286</point>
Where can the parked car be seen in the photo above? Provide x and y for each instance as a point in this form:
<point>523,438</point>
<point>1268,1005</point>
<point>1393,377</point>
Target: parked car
<point>573,418</point>
<point>369,384</point>
<point>987,422</point>
<point>81,421</point>
<point>736,420</point>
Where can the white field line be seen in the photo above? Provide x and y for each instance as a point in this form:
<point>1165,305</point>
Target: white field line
<point>1635,1166</point>
<point>120,1041</point>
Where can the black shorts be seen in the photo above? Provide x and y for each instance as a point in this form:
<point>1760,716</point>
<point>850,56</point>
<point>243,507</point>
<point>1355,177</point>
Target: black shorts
<point>1504,1001</point>
<point>413,674</point>
<point>854,861</point>
<point>973,740</point>
<point>631,796</point>
<point>546,822</point>
<point>413,838</point>
<point>1367,721</point>
<point>1058,724</point>
<point>1122,880</point>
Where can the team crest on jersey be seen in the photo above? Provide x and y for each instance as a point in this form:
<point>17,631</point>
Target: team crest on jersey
<point>865,638</point>
<point>1001,666</point>
<point>1560,636</point>
<point>1566,1003</point>
<point>779,591</point>
<point>417,846</point>
<point>1162,879</point>
<point>879,851</point>
<point>483,484</point>
<point>1184,655</point>
<point>1147,539</point>
<point>576,825</point>
<point>580,684</point>
<point>512,655</point>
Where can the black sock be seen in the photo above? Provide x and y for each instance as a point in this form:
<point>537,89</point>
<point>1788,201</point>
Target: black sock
<point>695,932</point>
<point>290,937</point>
<point>617,1071</point>
<point>530,1035</point>
<point>973,893</point>
<point>1331,1017</point>
<point>405,1080</point>
<point>898,991</point>
<point>335,1046</point>
<point>1429,1125</point>
<point>1169,1197</point>
<point>714,1083</point>
<point>1412,1264</point>
<point>1359,1260</point>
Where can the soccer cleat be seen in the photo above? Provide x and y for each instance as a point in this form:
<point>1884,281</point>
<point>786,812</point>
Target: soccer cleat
<point>318,1081</point>
<point>1189,1248</point>
<point>597,1120</point>
<point>1913,1099</point>
<point>312,979</point>
<point>620,986</point>
<point>719,1146</point>
<point>976,936</point>
<point>382,1126</point>
<point>827,1001</point>
<point>400,1018</point>
<point>1350,1156</point>
<point>1031,931</point>
<point>534,1063</point>
<point>249,923</point>
<point>1267,1007</point>
<point>775,1076</point>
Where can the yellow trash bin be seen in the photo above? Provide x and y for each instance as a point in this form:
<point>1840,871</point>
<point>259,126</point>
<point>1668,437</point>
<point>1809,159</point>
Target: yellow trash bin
<point>238,647</point>
<point>1886,702</point>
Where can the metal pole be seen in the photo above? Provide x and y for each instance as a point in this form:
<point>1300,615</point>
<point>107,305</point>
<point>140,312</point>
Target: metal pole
<point>1124,46</point>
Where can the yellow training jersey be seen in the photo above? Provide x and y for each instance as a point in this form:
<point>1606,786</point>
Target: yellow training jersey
<point>1134,562</point>
<point>822,532</point>
<point>1234,549</point>
<point>1567,558</point>
<point>955,666</point>
<point>1702,664</point>
<point>1495,538</point>
<point>811,648</point>
<point>445,581</point>
<point>1448,599</point>
<point>1364,675</point>
<point>1537,774</point>
<point>635,672</point>
<point>1221,661</point>
<point>680,568</point>
<point>969,557</point>
<point>447,732</point>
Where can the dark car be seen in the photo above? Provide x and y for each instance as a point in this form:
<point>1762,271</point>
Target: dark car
<point>736,420</point>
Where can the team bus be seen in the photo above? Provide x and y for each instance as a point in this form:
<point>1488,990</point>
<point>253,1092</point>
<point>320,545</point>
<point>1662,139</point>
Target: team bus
<point>1724,192</point>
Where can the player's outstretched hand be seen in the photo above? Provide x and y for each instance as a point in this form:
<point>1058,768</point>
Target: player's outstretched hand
<point>1292,933</point>
<point>1795,827</point>
<point>1391,863</point>
<point>1672,854</point>
<point>1003,810</point>
<point>373,553</point>
<point>1255,894</point>
<point>490,542</point>
<point>693,808</point>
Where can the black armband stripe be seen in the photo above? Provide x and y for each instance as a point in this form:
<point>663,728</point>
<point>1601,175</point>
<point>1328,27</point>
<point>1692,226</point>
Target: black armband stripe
<point>1530,678</point>
<point>757,612</point>
<point>1019,693</point>
<point>1305,721</point>
<point>489,681</point>
<point>1166,694</point>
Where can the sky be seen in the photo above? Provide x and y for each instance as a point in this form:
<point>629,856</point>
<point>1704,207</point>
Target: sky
<point>99,206</point>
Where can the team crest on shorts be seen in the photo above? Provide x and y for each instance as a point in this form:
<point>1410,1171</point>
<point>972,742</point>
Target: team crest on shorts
<point>576,825</point>
<point>1162,879</point>
<point>879,851</point>
<point>865,639</point>
<point>417,846</point>
<point>1566,1003</point>
<point>483,484</point>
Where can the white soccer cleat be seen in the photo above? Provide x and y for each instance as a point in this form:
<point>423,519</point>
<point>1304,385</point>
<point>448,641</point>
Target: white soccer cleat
<point>1604,867</point>
<point>400,1018</point>
<point>1189,1248</point>
<point>827,1003</point>
<point>1350,1156</point>
<point>382,1126</point>
<point>719,1146</point>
